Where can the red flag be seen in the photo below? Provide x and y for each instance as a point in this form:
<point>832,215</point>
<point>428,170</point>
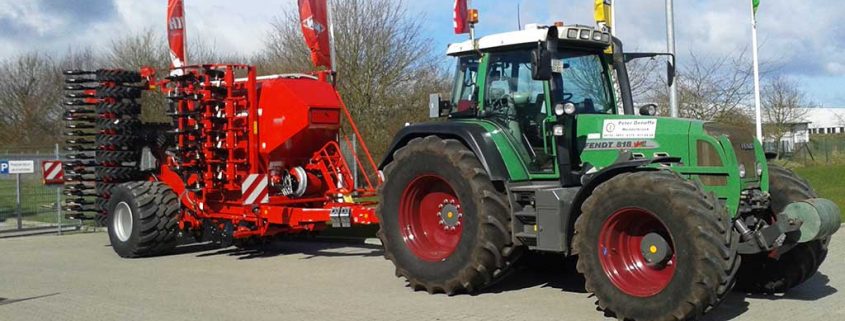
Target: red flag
<point>460,16</point>
<point>314,21</point>
<point>176,32</point>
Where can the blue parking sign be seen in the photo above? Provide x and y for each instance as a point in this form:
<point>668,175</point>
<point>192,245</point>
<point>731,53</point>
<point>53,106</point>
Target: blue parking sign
<point>4,167</point>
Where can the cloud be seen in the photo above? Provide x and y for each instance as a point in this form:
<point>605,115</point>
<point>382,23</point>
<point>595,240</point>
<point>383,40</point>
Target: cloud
<point>54,26</point>
<point>803,37</point>
<point>28,25</point>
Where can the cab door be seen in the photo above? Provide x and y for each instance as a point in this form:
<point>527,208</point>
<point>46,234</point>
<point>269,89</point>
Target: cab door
<point>520,106</point>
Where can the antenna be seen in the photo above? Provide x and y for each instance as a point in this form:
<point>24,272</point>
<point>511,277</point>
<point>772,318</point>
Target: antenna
<point>518,17</point>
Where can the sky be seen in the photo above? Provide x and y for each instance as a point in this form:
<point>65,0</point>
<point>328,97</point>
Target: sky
<point>801,38</point>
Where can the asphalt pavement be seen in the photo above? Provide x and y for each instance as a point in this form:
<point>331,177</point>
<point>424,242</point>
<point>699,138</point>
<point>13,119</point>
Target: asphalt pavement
<point>78,277</point>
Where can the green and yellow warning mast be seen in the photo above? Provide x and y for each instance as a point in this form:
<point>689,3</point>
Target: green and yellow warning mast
<point>603,13</point>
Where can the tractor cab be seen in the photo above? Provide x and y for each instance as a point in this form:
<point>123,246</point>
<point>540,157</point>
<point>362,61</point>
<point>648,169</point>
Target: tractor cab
<point>523,81</point>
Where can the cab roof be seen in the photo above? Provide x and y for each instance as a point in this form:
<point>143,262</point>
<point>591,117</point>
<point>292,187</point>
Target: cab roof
<point>578,35</point>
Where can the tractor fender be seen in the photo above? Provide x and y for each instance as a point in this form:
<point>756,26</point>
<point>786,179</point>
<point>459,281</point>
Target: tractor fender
<point>471,135</point>
<point>591,181</point>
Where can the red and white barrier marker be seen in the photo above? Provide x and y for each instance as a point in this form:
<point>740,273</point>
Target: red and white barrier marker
<point>52,172</point>
<point>254,189</point>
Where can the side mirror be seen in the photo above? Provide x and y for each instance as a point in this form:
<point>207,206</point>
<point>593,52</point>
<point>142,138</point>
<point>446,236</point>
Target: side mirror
<point>437,107</point>
<point>541,64</point>
<point>670,71</point>
<point>649,109</point>
<point>670,62</point>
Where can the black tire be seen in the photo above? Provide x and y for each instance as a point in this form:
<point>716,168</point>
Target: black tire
<point>155,135</point>
<point>121,126</point>
<point>121,108</point>
<point>762,274</point>
<point>118,76</point>
<point>117,140</point>
<point>117,156</point>
<point>117,174</point>
<point>101,219</point>
<point>484,251</point>
<point>102,204</point>
<point>104,189</point>
<point>154,212</point>
<point>118,92</point>
<point>699,228</point>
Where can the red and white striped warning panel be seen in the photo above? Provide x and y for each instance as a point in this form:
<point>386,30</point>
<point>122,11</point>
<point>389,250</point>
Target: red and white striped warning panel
<point>53,172</point>
<point>254,189</point>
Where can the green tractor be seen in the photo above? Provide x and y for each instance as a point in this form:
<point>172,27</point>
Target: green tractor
<point>665,215</point>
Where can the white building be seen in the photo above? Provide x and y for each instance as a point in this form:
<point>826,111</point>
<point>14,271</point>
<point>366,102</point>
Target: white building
<point>816,121</point>
<point>825,120</point>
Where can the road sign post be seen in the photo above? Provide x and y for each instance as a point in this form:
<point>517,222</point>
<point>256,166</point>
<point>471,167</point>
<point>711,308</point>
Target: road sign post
<point>59,193</point>
<point>18,201</point>
<point>17,167</point>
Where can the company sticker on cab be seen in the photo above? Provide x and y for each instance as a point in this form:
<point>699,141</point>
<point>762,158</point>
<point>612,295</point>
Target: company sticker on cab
<point>629,128</point>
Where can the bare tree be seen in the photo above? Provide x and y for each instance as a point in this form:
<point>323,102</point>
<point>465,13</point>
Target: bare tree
<point>784,106</point>
<point>30,91</point>
<point>646,78</point>
<point>712,88</point>
<point>385,67</point>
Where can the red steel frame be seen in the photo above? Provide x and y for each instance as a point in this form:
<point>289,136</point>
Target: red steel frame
<point>208,184</point>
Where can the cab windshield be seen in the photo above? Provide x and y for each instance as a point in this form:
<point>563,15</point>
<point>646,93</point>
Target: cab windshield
<point>585,81</point>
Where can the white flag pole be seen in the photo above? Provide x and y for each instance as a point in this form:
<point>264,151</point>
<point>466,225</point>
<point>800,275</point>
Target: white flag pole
<point>670,47</point>
<point>331,35</point>
<point>758,109</point>
<point>613,18</point>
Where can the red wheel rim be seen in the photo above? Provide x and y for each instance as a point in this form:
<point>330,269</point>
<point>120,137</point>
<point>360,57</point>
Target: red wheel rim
<point>430,218</point>
<point>621,257</point>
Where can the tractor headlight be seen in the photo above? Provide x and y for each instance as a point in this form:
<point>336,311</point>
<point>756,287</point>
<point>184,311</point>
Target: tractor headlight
<point>585,34</point>
<point>557,130</point>
<point>559,111</point>
<point>759,169</point>
<point>742,171</point>
<point>567,108</point>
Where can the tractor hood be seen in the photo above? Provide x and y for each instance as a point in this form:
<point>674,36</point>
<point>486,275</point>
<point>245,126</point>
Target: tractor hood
<point>741,142</point>
<point>703,147</point>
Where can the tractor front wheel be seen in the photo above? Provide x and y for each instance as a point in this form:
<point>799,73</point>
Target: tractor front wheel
<point>765,273</point>
<point>143,219</point>
<point>664,252</point>
<point>443,223</point>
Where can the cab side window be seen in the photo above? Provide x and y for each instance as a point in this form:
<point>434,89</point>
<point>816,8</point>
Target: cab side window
<point>465,89</point>
<point>518,102</point>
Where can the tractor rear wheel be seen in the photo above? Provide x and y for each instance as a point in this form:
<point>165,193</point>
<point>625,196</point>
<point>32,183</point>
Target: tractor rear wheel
<point>760,273</point>
<point>143,219</point>
<point>666,252</point>
<point>443,224</point>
